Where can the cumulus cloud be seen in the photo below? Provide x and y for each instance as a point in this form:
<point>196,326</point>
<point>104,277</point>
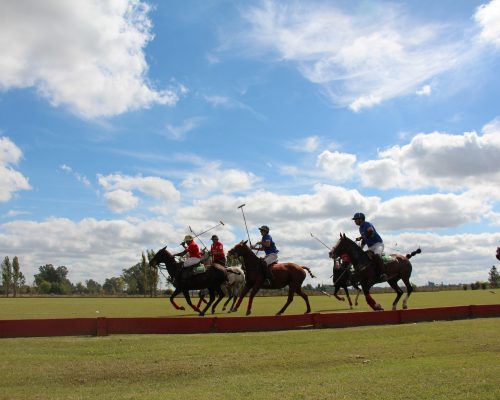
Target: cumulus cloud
<point>214,179</point>
<point>88,58</point>
<point>11,180</point>
<point>357,60</point>
<point>488,18</point>
<point>438,159</point>
<point>339,166</point>
<point>120,190</point>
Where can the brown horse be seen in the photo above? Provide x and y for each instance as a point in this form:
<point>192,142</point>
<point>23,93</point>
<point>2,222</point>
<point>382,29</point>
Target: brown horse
<point>398,268</point>
<point>283,274</point>
<point>211,279</point>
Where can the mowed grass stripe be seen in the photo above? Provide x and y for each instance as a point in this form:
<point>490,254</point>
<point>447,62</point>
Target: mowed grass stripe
<point>440,360</point>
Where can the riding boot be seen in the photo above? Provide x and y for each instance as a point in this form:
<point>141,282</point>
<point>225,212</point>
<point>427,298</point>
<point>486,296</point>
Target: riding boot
<point>379,268</point>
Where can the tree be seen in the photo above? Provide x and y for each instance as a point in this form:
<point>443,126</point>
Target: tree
<point>55,277</point>
<point>93,287</point>
<point>114,285</point>
<point>17,276</point>
<point>494,277</point>
<point>6,276</point>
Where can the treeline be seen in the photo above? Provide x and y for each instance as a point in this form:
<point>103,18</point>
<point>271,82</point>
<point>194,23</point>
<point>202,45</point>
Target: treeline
<point>139,279</point>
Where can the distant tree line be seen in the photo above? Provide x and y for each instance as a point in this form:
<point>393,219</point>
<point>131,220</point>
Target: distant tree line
<point>139,279</point>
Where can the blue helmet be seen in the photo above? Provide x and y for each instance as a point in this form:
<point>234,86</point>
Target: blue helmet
<point>359,215</point>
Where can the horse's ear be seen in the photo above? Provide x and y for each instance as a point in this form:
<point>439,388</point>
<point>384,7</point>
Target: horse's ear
<point>245,242</point>
<point>343,236</point>
<point>340,234</point>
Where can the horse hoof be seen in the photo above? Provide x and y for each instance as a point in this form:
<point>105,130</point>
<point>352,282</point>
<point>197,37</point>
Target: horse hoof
<point>182,308</point>
<point>248,312</point>
<point>202,314</point>
<point>405,307</point>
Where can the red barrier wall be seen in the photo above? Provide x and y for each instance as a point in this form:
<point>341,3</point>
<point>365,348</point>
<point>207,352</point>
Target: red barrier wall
<point>107,326</point>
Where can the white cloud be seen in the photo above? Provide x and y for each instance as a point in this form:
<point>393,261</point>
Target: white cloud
<point>338,166</point>
<point>11,180</point>
<point>120,200</point>
<point>79,177</point>
<point>425,90</point>
<point>358,60</point>
<point>488,18</point>
<point>211,178</point>
<point>89,57</point>
<point>120,196</point>
<point>178,132</point>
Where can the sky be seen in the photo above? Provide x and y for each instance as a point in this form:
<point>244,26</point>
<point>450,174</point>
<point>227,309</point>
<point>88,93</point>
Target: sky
<point>125,125</point>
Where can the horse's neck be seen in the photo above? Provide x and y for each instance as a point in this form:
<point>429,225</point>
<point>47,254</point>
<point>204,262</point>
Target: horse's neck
<point>250,259</point>
<point>358,256</point>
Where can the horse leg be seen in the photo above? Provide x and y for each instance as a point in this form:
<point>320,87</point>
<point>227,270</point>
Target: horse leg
<point>221,295</point>
<point>302,294</point>
<point>394,285</point>
<point>210,301</point>
<point>357,296</point>
<point>254,291</point>
<point>291,292</point>
<point>409,290</point>
<point>229,297</point>
<point>371,302</point>
<point>347,295</point>
<point>242,295</point>
<point>172,300</point>
<point>185,292</point>
<point>337,288</point>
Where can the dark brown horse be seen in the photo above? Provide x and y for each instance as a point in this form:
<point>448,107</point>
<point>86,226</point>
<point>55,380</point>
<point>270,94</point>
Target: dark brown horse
<point>398,268</point>
<point>343,277</point>
<point>283,274</point>
<point>211,279</point>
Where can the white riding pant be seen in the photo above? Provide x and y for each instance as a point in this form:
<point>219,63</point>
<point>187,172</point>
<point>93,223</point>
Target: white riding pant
<point>271,258</point>
<point>377,248</point>
<point>191,261</point>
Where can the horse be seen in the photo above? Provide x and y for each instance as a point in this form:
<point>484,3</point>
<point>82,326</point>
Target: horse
<point>211,279</point>
<point>232,288</point>
<point>284,274</point>
<point>398,268</point>
<point>342,278</point>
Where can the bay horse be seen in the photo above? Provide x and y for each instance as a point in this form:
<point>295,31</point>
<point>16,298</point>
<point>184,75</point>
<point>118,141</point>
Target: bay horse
<point>343,277</point>
<point>284,274</point>
<point>211,279</point>
<point>398,268</point>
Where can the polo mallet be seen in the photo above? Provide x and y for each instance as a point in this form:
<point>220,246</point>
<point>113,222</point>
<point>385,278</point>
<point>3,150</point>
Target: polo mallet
<point>319,240</point>
<point>244,219</point>
<point>196,236</point>
<point>213,227</point>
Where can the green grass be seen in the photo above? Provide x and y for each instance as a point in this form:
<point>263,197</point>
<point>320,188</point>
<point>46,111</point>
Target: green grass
<point>76,307</point>
<point>439,360</point>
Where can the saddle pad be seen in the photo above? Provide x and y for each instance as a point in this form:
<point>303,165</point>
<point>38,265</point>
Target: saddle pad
<point>387,259</point>
<point>199,269</point>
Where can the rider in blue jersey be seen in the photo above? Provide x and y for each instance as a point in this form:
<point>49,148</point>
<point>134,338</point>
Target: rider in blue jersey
<point>267,244</point>
<point>373,241</point>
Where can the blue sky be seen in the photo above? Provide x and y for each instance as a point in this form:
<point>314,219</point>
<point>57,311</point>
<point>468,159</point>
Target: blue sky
<point>124,123</point>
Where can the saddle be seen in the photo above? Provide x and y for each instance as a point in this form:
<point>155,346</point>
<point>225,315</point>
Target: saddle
<point>188,272</point>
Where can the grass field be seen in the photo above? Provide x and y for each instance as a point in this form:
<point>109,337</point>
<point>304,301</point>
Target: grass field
<point>74,307</point>
<point>439,360</point>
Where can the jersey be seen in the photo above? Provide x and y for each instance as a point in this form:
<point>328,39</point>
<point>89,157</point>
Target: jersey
<point>272,248</point>
<point>217,250</point>
<point>369,240</point>
<point>193,250</point>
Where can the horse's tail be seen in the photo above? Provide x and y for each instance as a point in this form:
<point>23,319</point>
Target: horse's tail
<point>308,270</point>
<point>410,255</point>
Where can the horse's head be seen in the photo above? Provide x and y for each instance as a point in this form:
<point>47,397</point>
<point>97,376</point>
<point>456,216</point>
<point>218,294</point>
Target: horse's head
<point>162,256</point>
<point>343,246</point>
<point>240,249</point>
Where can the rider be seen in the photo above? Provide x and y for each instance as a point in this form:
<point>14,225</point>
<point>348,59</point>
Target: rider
<point>270,249</point>
<point>217,250</point>
<point>192,250</point>
<point>372,239</point>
